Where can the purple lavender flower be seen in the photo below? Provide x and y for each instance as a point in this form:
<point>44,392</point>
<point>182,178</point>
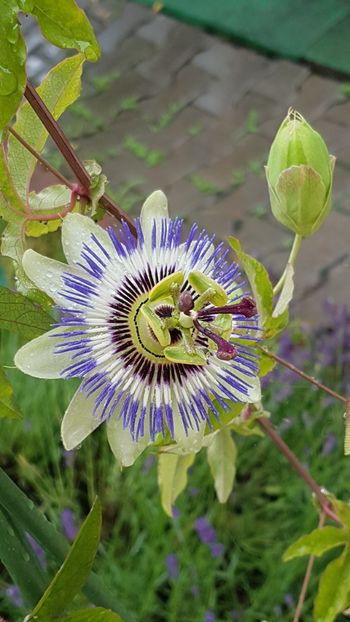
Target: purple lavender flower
<point>205,531</point>
<point>68,524</point>
<point>172,564</point>
<point>209,616</point>
<point>329,444</point>
<point>68,458</point>
<point>217,549</point>
<point>148,463</point>
<point>289,600</point>
<point>39,552</point>
<point>175,512</point>
<point>14,595</point>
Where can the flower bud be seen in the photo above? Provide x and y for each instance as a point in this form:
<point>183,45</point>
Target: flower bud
<point>299,174</point>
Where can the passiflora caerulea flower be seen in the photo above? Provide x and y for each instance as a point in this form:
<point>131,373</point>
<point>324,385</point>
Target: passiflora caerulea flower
<point>157,328</point>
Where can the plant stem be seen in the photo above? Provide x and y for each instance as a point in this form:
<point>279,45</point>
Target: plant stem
<point>307,577</point>
<point>40,159</point>
<point>305,376</point>
<point>69,154</point>
<point>17,504</point>
<point>291,260</point>
<point>298,467</point>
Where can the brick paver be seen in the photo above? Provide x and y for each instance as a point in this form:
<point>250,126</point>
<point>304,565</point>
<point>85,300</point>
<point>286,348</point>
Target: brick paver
<point>200,114</point>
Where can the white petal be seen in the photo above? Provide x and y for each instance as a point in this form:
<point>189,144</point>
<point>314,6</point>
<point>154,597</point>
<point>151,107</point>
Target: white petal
<point>124,448</point>
<point>76,231</point>
<point>78,421</point>
<point>37,357</point>
<point>47,273</point>
<point>154,208</point>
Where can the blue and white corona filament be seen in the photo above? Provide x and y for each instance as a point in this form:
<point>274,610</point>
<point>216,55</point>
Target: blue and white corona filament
<point>158,329</point>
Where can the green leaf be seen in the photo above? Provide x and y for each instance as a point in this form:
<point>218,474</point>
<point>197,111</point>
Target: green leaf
<point>172,478</point>
<point>97,614</point>
<point>286,294</point>
<point>262,291</point>
<point>333,590</point>
<point>12,62</point>
<point>317,542</point>
<point>12,208</point>
<point>66,25</point>
<point>19,559</point>
<point>52,199</point>
<point>342,509</point>
<point>59,89</point>
<point>20,315</point>
<point>221,455</point>
<point>266,364</point>
<point>7,407</point>
<point>74,571</point>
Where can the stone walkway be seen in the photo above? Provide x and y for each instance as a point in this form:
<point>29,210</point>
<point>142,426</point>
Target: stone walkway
<point>172,107</point>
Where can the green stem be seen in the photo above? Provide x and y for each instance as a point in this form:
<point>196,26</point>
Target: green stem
<point>291,260</point>
<point>17,504</point>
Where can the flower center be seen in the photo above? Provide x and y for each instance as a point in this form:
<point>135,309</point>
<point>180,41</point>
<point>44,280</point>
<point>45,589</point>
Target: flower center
<point>182,322</point>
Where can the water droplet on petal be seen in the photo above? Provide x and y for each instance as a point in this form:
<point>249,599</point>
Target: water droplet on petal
<point>8,81</point>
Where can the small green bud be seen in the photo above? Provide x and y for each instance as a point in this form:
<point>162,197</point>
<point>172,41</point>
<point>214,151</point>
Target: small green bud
<point>299,174</point>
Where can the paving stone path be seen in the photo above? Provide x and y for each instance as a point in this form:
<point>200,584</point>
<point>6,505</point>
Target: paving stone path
<point>173,107</point>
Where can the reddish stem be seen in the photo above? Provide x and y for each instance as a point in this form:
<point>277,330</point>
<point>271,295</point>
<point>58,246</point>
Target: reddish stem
<point>305,376</point>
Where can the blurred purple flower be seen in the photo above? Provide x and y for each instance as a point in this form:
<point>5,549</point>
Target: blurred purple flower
<point>175,512</point>
<point>217,549</point>
<point>39,552</point>
<point>68,524</point>
<point>194,491</point>
<point>172,564</point>
<point>205,531</point>
<point>68,458</point>
<point>329,444</point>
<point>14,595</point>
<point>289,600</point>
<point>195,590</point>
<point>209,616</point>
<point>148,463</point>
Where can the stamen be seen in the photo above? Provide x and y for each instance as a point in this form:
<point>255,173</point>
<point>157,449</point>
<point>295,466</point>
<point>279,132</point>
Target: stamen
<point>246,307</point>
<point>186,303</point>
<point>226,351</point>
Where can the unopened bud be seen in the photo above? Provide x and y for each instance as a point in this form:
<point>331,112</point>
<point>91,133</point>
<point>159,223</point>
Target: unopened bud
<point>299,174</point>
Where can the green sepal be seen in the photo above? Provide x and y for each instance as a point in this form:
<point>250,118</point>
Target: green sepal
<point>164,287</point>
<point>157,325</point>
<point>201,283</point>
<point>179,354</point>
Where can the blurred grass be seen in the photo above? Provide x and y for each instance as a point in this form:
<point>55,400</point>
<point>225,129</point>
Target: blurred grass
<point>268,509</point>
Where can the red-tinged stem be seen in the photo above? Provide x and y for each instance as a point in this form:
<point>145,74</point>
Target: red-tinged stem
<point>69,154</point>
<point>305,376</point>
<point>307,577</point>
<point>299,468</point>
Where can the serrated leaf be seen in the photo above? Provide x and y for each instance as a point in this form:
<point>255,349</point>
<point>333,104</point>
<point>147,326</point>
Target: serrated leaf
<point>334,589</point>
<point>96,614</point>
<point>221,455</point>
<point>286,294</point>
<point>262,291</point>
<point>317,542</point>
<point>12,62</point>
<point>74,571</point>
<point>66,25</point>
<point>20,315</point>
<point>59,89</point>
<point>172,478</point>
<point>7,407</point>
